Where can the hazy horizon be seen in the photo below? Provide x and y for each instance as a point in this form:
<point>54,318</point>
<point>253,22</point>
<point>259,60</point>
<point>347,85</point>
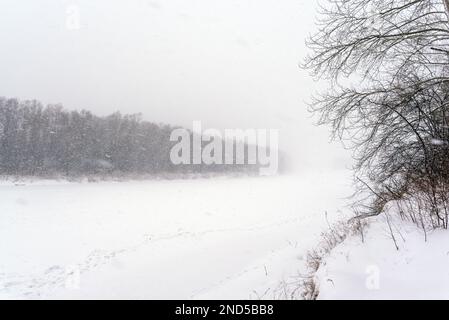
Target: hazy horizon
<point>230,64</point>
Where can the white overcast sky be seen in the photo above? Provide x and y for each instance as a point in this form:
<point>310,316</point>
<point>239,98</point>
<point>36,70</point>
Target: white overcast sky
<point>228,63</point>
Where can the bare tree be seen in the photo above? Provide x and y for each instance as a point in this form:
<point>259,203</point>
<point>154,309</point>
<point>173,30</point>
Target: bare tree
<point>388,65</point>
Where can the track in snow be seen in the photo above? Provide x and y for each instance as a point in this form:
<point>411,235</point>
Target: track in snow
<point>183,239</point>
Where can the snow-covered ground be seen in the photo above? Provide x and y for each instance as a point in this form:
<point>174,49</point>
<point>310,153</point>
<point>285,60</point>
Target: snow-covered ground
<point>180,239</point>
<point>375,269</point>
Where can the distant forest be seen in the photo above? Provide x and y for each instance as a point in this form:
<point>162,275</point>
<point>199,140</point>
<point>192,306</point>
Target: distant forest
<point>37,140</point>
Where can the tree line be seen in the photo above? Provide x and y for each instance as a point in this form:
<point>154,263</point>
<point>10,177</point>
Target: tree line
<point>38,140</point>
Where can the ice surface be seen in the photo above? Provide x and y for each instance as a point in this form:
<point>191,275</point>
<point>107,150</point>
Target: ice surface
<point>179,239</point>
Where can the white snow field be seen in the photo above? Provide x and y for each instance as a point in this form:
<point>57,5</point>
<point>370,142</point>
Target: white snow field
<point>221,238</point>
<point>376,269</point>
